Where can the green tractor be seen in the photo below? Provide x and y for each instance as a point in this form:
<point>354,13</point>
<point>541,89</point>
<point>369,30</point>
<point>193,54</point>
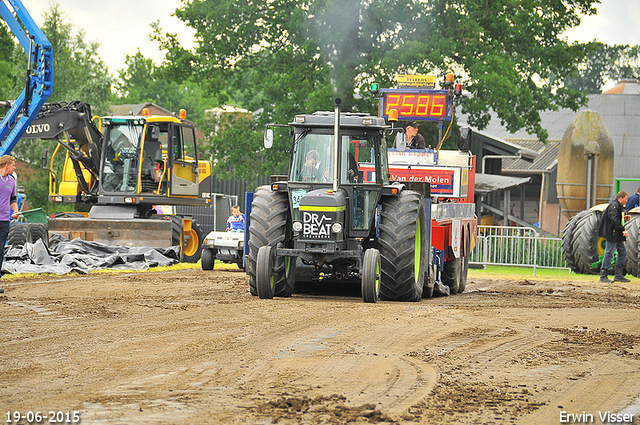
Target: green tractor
<point>338,216</point>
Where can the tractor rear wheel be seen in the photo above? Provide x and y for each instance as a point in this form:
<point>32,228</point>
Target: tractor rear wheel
<point>371,275</point>
<point>403,247</point>
<point>586,246</point>
<point>567,239</point>
<point>631,244</point>
<point>270,224</point>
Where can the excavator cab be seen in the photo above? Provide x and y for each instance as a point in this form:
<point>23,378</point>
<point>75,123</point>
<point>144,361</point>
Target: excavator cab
<point>150,156</point>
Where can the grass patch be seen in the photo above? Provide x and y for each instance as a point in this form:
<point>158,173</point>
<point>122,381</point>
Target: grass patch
<point>512,272</point>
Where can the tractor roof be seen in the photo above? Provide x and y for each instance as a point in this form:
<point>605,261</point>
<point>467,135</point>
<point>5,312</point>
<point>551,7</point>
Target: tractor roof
<point>347,120</point>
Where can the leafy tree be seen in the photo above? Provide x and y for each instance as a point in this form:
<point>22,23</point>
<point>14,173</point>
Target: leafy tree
<point>602,64</point>
<point>288,56</point>
<point>79,74</point>
<point>143,81</point>
<point>6,63</point>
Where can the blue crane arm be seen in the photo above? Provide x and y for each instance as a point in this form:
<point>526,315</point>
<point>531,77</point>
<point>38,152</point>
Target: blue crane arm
<point>39,78</point>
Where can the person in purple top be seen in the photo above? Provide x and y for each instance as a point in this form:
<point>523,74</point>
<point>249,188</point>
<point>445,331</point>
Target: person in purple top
<point>235,223</point>
<point>8,200</point>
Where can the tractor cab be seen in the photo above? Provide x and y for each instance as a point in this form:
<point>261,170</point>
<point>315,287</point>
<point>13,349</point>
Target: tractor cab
<point>350,174</point>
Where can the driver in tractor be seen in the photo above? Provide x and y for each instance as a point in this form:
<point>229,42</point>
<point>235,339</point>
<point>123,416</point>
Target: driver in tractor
<point>309,171</point>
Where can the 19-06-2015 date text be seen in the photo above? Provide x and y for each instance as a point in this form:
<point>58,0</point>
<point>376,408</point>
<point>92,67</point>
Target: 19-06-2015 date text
<point>49,417</point>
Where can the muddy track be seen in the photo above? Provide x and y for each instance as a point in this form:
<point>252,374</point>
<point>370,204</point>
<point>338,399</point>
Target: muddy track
<point>196,347</point>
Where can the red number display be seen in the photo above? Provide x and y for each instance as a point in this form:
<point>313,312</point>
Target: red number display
<point>429,106</point>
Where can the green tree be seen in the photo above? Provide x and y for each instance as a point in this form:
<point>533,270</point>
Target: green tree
<point>288,56</point>
<point>142,81</point>
<point>604,64</point>
<point>7,47</point>
<point>79,74</point>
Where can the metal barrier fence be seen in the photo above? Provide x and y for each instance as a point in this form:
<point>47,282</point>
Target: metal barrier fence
<point>517,246</point>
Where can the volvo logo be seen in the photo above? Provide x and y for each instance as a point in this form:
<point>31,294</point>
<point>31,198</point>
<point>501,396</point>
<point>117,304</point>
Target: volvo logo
<point>38,128</point>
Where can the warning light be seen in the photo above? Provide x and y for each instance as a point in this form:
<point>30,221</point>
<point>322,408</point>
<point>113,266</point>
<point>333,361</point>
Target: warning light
<point>449,80</point>
<point>145,112</point>
<point>375,88</point>
<point>393,115</point>
<point>183,114</point>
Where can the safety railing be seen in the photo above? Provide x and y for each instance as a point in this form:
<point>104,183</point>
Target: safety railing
<point>517,246</point>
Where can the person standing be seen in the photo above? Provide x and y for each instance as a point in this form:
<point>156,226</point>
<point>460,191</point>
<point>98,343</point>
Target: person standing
<point>612,230</point>
<point>8,200</point>
<point>633,201</point>
<point>414,139</point>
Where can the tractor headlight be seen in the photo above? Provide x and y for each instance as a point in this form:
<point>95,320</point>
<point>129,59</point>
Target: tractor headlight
<point>297,226</point>
<point>336,227</point>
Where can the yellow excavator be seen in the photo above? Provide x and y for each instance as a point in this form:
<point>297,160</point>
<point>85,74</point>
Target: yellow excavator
<point>125,168</point>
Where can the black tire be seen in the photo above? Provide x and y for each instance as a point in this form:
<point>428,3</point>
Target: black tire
<point>567,239</point>
<point>631,244</point>
<point>265,273</point>
<point>207,259</point>
<point>429,280</point>
<point>270,225</point>
<point>465,264</point>
<point>40,231</point>
<point>403,241</point>
<point>586,246</point>
<point>463,274</point>
<point>452,274</point>
<point>176,228</point>
<point>371,275</point>
<point>192,246</point>
<point>19,234</point>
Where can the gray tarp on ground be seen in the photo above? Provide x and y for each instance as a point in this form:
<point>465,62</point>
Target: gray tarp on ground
<point>64,256</point>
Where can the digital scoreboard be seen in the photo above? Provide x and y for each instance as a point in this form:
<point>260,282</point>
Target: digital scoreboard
<point>416,104</point>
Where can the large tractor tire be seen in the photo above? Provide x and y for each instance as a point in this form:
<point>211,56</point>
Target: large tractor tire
<point>567,239</point>
<point>586,246</point>
<point>270,224</point>
<point>19,234</point>
<point>631,244</point>
<point>403,247</point>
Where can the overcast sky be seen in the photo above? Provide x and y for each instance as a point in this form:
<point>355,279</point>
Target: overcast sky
<point>122,26</point>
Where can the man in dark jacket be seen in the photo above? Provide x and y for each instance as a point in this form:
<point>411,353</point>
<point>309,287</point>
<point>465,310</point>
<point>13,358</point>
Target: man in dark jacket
<point>612,229</point>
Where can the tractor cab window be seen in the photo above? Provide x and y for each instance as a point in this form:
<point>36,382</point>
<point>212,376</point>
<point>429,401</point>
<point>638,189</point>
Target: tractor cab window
<point>358,160</point>
<point>120,171</point>
<point>312,158</point>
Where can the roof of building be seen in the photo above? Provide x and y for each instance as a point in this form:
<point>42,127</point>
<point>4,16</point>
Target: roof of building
<point>487,183</point>
<point>545,162</point>
<point>555,122</point>
<point>136,109</point>
<point>627,86</point>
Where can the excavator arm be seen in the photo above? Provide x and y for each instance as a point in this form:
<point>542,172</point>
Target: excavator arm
<point>67,122</point>
<point>39,75</point>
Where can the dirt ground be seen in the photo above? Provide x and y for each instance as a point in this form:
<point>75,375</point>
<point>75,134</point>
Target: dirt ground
<point>195,347</point>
